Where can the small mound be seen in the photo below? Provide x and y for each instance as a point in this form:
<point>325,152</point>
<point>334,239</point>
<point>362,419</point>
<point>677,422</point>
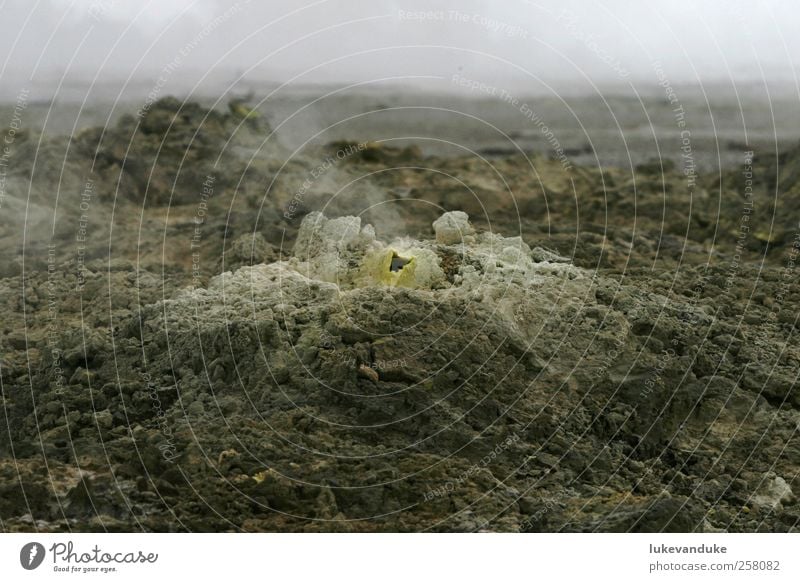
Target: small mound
<point>410,384</point>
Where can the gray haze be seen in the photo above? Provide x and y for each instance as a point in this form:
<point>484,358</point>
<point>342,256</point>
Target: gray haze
<point>537,45</point>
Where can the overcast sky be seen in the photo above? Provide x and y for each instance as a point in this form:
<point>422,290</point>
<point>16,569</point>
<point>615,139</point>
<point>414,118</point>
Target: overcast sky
<point>497,42</point>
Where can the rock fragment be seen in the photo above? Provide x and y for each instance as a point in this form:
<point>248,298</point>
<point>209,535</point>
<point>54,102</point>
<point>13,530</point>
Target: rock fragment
<point>366,372</point>
<point>452,227</point>
<point>774,493</point>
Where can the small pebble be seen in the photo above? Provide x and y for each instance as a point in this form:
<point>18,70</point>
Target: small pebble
<point>366,372</point>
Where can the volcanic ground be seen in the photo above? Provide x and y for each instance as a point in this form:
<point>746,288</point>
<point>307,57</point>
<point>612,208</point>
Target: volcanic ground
<point>205,330</point>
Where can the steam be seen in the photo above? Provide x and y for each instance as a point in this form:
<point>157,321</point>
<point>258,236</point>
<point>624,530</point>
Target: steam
<point>515,41</point>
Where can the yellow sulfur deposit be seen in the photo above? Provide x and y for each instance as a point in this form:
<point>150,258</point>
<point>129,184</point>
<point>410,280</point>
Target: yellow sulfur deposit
<point>392,268</point>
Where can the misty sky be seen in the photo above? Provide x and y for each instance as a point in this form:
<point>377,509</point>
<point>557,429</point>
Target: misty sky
<point>500,42</point>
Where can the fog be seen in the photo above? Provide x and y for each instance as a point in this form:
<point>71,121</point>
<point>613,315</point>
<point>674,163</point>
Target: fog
<point>537,45</point>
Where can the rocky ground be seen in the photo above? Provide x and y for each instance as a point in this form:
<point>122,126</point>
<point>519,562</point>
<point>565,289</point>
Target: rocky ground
<point>206,331</point>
